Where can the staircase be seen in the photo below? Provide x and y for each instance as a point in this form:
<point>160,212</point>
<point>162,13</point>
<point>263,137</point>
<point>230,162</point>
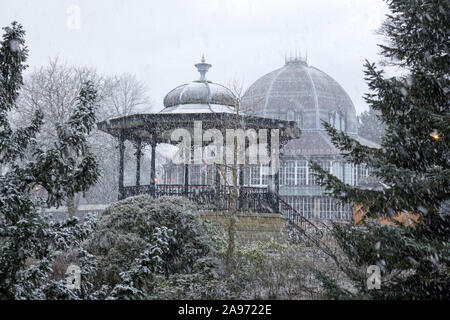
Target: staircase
<point>298,221</point>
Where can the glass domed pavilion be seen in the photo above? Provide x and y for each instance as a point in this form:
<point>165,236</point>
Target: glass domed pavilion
<point>308,96</point>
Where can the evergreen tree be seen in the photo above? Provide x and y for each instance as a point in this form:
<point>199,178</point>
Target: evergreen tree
<point>28,244</point>
<point>370,126</point>
<point>412,163</point>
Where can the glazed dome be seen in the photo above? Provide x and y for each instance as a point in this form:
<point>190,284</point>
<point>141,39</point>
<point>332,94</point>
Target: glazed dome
<point>301,93</point>
<point>199,96</point>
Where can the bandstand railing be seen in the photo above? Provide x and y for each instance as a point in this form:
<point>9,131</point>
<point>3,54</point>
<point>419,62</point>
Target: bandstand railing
<point>250,199</point>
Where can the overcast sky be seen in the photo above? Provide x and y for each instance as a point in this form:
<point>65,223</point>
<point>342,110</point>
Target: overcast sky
<point>160,41</point>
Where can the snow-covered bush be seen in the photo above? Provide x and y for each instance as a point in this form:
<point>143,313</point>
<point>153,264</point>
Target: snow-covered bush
<point>207,281</point>
<point>269,270</point>
<point>141,236</point>
<point>261,270</point>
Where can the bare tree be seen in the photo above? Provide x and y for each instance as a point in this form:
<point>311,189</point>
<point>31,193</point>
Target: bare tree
<point>53,88</point>
<point>237,88</point>
<point>125,95</point>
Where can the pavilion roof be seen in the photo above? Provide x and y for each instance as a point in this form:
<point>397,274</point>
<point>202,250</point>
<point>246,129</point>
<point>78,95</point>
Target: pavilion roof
<point>139,127</point>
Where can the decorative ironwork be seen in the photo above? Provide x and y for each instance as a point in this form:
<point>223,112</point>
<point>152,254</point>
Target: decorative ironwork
<point>296,219</point>
<point>250,199</point>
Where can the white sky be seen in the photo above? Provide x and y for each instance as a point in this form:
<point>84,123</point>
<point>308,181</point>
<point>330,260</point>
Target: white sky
<point>160,41</point>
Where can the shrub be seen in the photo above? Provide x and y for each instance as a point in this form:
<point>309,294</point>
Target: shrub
<point>168,231</point>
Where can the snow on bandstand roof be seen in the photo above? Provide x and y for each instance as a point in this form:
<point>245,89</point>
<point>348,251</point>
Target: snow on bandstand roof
<point>200,96</point>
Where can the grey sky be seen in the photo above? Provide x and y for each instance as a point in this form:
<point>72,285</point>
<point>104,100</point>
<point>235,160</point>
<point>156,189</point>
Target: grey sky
<point>159,41</point>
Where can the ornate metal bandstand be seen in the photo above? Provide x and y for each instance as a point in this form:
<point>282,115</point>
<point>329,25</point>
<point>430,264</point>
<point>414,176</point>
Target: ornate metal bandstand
<point>215,107</point>
<point>200,101</point>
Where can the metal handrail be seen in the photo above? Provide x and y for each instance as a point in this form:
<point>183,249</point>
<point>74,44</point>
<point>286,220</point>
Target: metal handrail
<point>296,219</point>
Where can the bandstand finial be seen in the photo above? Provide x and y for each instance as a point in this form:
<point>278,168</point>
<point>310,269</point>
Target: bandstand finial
<point>202,68</point>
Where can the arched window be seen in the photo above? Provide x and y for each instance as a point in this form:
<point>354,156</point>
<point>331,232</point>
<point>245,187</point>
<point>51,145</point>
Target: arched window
<point>338,120</point>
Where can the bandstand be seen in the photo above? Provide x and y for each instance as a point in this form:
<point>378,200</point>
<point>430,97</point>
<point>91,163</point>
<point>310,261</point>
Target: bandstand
<point>199,101</point>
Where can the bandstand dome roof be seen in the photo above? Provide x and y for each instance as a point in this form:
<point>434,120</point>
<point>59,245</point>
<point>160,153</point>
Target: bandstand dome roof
<point>301,93</point>
<point>199,96</point>
<point>200,100</point>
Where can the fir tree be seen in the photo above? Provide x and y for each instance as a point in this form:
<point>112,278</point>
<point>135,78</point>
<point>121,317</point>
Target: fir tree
<point>412,163</point>
<point>28,244</point>
<point>370,127</point>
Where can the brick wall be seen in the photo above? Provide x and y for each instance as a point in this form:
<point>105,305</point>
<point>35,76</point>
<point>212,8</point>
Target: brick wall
<point>252,226</point>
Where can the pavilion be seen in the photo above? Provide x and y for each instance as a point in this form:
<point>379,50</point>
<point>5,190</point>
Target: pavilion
<point>201,100</point>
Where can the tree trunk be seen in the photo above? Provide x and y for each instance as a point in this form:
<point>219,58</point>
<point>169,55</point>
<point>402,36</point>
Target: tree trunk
<point>234,197</point>
<point>72,206</point>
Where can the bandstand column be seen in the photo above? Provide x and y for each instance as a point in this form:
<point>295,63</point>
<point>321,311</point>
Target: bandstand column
<point>121,164</point>
<point>186,179</point>
<point>138,162</point>
<point>153,165</point>
<point>187,159</point>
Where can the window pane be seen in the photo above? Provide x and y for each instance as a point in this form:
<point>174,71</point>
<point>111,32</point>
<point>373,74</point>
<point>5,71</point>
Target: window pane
<point>255,175</point>
<point>302,168</point>
<point>289,173</point>
<point>264,174</point>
